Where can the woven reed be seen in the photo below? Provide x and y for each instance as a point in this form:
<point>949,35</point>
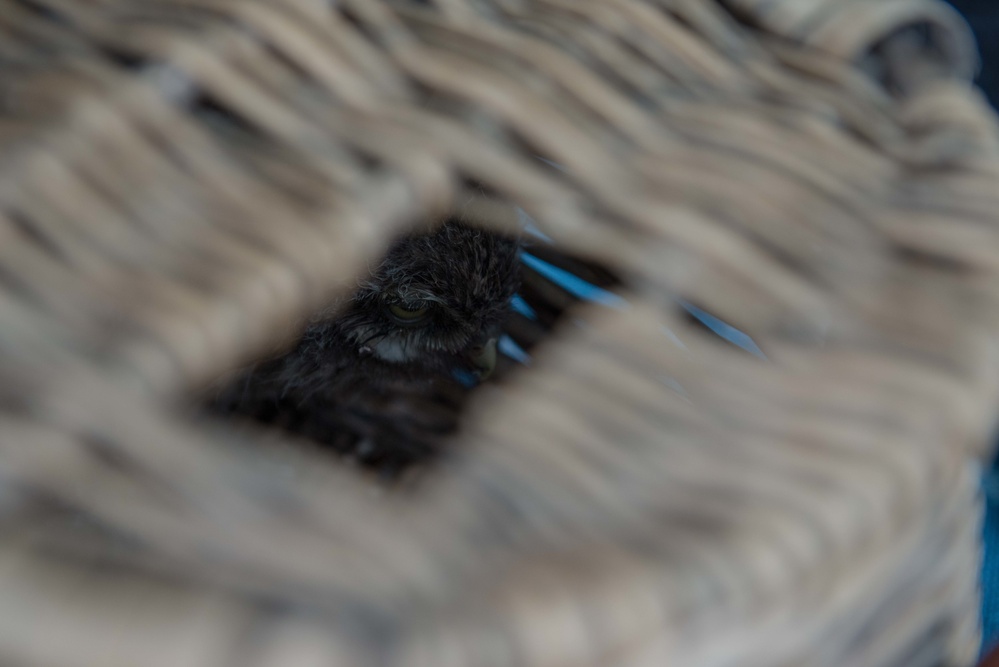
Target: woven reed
<point>183,180</point>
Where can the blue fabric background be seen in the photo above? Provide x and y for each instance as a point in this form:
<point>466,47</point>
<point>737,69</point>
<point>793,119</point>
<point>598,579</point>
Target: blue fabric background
<point>983,16</point>
<point>990,570</point>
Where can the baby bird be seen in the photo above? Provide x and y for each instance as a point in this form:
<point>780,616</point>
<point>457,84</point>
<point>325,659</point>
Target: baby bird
<point>381,377</point>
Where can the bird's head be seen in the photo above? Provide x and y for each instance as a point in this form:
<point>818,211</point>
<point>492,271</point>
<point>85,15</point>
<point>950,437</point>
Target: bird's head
<point>437,301</point>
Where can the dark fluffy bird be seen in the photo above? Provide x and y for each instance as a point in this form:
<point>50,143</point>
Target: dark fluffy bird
<point>381,377</point>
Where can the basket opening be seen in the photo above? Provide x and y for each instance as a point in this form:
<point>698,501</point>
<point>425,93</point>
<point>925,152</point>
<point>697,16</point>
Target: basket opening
<point>381,378</point>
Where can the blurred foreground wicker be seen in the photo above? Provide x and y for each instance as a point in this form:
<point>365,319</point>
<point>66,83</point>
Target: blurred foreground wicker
<point>182,180</point>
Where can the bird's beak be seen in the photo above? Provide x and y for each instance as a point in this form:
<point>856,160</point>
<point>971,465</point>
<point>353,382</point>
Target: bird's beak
<point>484,358</point>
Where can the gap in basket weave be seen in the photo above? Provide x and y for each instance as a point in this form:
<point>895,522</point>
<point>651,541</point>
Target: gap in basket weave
<point>380,379</point>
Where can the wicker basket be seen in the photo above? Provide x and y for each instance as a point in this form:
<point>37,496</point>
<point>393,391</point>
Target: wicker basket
<point>183,180</point>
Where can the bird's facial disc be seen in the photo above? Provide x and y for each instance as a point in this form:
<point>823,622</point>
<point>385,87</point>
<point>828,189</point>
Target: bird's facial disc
<point>436,300</point>
<point>428,333</point>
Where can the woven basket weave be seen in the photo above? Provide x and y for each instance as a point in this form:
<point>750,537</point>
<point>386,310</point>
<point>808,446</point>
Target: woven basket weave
<point>183,180</point>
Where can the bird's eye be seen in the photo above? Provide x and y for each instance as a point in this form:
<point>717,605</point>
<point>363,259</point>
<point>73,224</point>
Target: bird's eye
<point>410,313</point>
